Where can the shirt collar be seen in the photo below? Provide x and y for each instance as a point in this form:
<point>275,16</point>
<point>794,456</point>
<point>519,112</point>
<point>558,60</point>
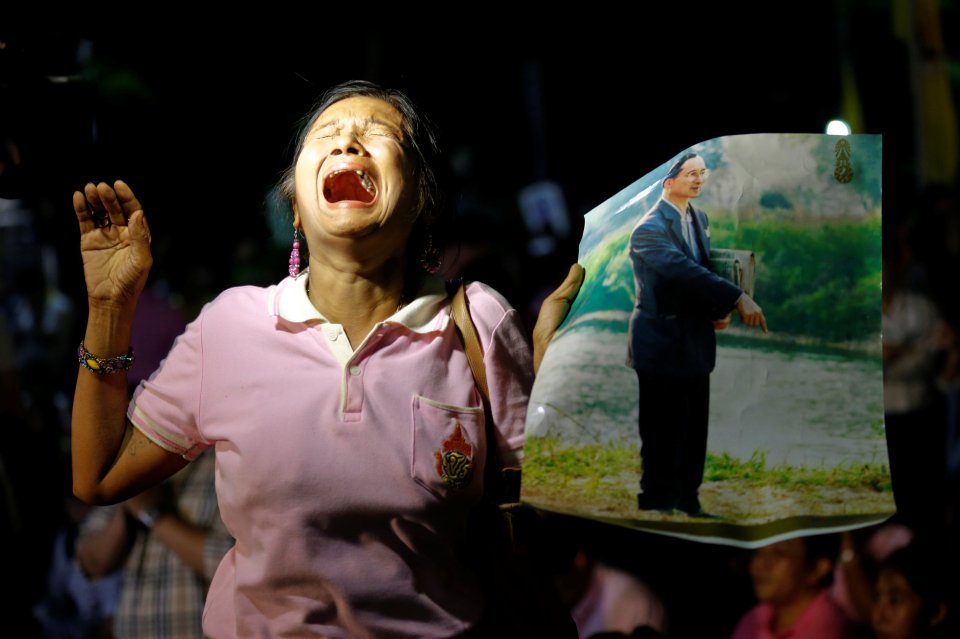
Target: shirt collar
<point>683,214</point>
<point>422,315</point>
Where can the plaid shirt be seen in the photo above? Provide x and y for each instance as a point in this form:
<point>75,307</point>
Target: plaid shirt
<point>162,597</point>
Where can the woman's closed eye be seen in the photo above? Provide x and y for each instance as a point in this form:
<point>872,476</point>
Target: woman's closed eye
<point>325,133</point>
<point>361,132</point>
<point>380,132</point>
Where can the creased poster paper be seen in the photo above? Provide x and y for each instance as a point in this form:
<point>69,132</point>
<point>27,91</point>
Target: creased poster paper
<point>795,434</point>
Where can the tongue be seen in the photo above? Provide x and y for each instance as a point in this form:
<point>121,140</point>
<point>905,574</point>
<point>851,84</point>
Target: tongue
<point>346,186</point>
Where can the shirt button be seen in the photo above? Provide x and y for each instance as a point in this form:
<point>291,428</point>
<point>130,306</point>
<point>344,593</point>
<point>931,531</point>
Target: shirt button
<point>332,333</point>
<point>354,370</point>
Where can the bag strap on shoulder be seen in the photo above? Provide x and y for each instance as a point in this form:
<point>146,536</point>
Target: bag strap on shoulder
<point>471,342</point>
<point>502,482</point>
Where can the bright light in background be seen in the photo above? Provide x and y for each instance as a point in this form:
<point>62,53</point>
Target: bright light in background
<point>838,127</point>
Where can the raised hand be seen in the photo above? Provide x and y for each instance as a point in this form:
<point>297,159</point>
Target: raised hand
<point>114,243</point>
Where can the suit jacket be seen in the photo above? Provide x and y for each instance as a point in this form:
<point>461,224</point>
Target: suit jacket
<point>671,330</point>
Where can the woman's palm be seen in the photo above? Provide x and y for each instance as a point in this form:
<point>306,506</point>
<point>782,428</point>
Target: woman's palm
<point>114,242</point>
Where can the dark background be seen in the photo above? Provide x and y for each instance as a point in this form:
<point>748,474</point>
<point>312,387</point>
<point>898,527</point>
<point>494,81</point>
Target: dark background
<point>198,117</point>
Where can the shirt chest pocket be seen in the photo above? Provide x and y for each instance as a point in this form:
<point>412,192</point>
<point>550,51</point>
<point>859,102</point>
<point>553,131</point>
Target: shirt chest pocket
<point>448,448</point>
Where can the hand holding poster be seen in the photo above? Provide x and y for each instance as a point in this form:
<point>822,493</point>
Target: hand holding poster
<point>665,404</point>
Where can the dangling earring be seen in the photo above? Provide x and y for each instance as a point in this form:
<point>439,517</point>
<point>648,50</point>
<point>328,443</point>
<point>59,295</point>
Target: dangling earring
<point>431,258</point>
<point>294,269</point>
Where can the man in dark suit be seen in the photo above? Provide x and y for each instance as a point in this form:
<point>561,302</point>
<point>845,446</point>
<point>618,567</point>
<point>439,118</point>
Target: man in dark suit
<point>672,343</point>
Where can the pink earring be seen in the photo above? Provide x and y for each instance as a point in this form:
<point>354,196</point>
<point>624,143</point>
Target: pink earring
<point>294,269</point>
<point>431,259</point>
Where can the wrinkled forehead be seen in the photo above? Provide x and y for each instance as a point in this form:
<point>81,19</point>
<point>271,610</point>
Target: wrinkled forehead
<point>363,110</point>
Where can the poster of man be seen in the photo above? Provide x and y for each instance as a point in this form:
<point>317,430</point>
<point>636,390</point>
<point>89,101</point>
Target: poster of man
<point>671,344</point>
<point>720,374</point>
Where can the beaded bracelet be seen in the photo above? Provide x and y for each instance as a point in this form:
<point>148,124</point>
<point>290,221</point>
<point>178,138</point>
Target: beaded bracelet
<point>102,366</point>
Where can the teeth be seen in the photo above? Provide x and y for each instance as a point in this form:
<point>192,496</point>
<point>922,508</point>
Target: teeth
<point>365,181</point>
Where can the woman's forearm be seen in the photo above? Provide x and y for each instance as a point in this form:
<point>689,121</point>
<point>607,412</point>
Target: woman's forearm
<point>100,402</point>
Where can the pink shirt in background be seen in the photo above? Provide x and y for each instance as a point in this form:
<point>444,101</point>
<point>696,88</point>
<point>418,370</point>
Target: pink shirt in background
<point>822,619</point>
<point>329,472</point>
<point>616,601</point>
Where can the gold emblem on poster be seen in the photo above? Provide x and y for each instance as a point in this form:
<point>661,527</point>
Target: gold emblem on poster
<point>844,170</point>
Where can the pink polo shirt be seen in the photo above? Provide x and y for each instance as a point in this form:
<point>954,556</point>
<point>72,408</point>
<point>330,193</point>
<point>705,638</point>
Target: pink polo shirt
<point>340,470</point>
<point>822,619</point>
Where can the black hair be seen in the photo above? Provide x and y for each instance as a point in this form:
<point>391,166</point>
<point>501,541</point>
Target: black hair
<point>819,547</point>
<point>921,571</point>
<point>678,165</point>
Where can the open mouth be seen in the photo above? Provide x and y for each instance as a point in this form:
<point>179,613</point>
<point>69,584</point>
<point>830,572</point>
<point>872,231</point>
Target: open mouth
<point>349,185</point>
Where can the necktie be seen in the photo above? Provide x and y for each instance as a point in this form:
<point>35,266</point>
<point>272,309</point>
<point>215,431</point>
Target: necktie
<point>692,236</point>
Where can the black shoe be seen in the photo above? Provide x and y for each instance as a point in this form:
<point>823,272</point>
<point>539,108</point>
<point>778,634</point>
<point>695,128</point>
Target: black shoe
<point>689,504</point>
<point>702,514</point>
<point>699,513</point>
<point>646,501</point>
<point>692,508</point>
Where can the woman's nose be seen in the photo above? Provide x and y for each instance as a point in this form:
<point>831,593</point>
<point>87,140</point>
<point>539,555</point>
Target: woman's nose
<point>347,143</point>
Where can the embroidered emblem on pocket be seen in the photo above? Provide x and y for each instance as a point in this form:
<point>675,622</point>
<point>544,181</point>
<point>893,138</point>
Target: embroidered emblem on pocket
<point>455,460</point>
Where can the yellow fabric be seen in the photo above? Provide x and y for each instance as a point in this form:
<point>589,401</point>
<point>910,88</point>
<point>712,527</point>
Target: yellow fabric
<point>917,22</point>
